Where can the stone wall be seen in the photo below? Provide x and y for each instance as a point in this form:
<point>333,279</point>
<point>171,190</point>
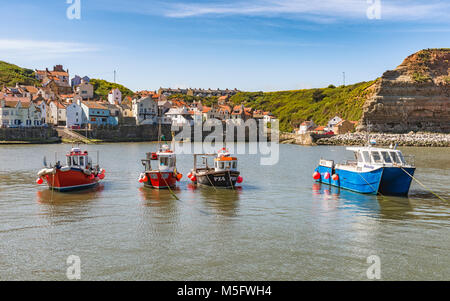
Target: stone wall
<point>30,135</point>
<point>126,133</point>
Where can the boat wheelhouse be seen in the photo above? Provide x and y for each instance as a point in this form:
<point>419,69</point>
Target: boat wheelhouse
<point>374,170</point>
<point>223,174</point>
<point>165,175</point>
<point>78,173</point>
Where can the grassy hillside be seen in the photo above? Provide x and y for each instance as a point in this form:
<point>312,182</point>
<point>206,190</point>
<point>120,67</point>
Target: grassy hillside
<point>11,74</point>
<point>103,87</point>
<point>319,105</point>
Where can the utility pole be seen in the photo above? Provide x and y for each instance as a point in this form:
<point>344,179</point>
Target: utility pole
<point>114,76</point>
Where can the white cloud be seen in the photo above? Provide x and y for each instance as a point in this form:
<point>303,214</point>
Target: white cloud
<point>394,10</point>
<point>34,47</point>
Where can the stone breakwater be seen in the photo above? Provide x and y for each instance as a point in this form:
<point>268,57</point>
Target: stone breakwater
<point>411,139</point>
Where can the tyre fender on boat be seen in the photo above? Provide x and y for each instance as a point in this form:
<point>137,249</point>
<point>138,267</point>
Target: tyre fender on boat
<point>46,171</point>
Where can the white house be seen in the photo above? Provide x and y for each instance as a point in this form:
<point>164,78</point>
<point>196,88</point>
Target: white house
<point>180,116</point>
<point>115,96</point>
<point>306,126</point>
<point>75,115</point>
<point>56,113</point>
<point>333,121</point>
<point>145,110</point>
<point>15,113</point>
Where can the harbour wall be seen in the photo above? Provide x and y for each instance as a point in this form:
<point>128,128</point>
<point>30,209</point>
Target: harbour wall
<point>29,135</point>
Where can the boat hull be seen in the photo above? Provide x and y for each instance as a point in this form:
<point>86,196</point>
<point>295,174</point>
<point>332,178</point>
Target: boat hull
<point>222,179</point>
<point>72,179</point>
<point>396,181</point>
<point>361,182</point>
<point>160,180</point>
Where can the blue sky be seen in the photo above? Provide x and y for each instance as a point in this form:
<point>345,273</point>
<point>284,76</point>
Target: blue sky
<point>251,45</point>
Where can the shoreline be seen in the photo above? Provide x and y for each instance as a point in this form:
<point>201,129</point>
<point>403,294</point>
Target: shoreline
<point>385,139</point>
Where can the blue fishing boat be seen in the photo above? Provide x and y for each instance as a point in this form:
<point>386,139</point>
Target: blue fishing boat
<point>374,170</point>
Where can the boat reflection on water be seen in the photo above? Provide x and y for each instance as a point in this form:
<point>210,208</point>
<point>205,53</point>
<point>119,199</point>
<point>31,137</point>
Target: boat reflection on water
<point>386,207</point>
<point>49,197</point>
<point>223,202</point>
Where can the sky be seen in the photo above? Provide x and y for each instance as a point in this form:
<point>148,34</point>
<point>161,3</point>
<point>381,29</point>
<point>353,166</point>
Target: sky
<point>253,45</point>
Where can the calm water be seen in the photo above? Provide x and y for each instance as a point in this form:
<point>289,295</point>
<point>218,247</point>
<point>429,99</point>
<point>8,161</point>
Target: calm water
<point>279,226</point>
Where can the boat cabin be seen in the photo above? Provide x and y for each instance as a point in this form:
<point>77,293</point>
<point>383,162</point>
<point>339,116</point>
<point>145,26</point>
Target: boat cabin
<point>224,161</point>
<point>378,156</point>
<point>77,158</point>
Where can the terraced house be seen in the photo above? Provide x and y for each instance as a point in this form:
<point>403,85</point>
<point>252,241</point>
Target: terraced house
<point>96,113</point>
<point>16,112</point>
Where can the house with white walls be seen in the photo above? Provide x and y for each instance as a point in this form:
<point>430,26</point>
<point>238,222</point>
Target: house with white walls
<point>74,115</point>
<point>56,114</point>
<point>17,113</point>
<point>115,96</point>
<point>180,116</point>
<point>145,110</point>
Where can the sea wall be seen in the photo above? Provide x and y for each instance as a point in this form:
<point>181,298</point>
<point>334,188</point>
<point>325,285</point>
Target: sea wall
<point>410,139</point>
<point>29,135</point>
<point>126,133</point>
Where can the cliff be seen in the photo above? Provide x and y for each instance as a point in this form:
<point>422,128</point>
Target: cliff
<point>413,97</point>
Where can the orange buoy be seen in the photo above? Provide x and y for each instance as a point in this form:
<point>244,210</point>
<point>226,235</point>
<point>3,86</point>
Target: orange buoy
<point>335,177</point>
<point>189,175</point>
<point>193,179</point>
<point>39,181</point>
<point>179,176</point>
<point>316,175</point>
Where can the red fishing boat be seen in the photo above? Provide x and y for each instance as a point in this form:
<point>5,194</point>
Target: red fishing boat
<point>165,175</point>
<point>78,173</point>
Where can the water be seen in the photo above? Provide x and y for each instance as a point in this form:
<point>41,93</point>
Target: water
<point>279,226</point>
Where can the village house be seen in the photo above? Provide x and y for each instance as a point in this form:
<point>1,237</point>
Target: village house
<point>343,127</point>
<point>332,122</point>
<point>85,90</point>
<point>180,116</point>
<point>163,107</point>
<point>145,110</point>
<point>18,112</point>
<point>96,113</point>
<point>77,80</point>
<point>74,115</point>
<point>58,73</point>
<point>56,113</point>
<point>306,126</point>
<point>115,96</point>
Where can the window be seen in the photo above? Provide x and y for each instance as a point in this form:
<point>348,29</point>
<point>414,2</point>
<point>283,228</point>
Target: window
<point>401,158</point>
<point>163,161</point>
<point>366,156</point>
<point>69,162</point>
<point>222,165</point>
<point>394,157</point>
<point>75,160</point>
<point>81,161</point>
<point>376,157</point>
<point>386,157</point>
<point>234,164</point>
<point>359,157</point>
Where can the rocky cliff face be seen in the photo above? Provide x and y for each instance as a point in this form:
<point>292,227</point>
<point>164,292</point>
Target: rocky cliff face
<point>413,97</point>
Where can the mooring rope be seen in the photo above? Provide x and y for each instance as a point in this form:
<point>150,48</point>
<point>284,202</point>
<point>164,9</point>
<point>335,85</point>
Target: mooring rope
<point>426,188</point>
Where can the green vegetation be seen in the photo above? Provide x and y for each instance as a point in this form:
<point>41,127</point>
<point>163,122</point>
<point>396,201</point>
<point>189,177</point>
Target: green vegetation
<point>319,105</point>
<point>103,87</point>
<point>11,74</point>
<point>421,77</point>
